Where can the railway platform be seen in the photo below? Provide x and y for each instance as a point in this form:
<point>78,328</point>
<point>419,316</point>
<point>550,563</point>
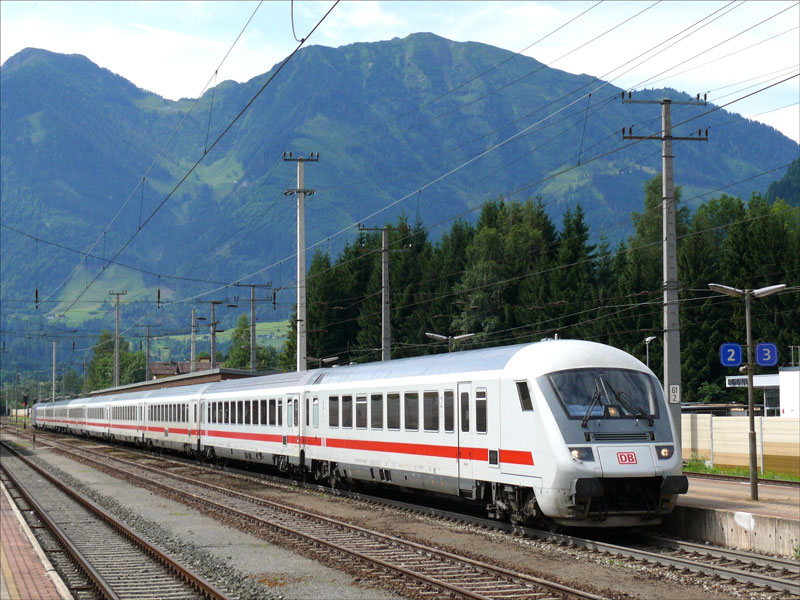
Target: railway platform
<point>25,571</point>
<point>721,512</point>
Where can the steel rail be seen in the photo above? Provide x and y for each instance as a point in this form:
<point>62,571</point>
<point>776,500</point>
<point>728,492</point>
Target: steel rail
<point>778,584</point>
<point>427,550</point>
<point>203,587</point>
<point>772,562</point>
<point>99,584</point>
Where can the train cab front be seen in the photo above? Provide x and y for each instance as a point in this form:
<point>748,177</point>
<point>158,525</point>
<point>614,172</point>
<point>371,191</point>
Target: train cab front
<point>619,464</point>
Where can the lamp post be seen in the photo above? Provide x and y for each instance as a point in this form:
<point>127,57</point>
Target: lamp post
<point>449,338</point>
<point>647,341</point>
<point>747,293</point>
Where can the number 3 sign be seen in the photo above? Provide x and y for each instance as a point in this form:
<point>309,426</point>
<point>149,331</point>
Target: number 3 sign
<point>766,355</point>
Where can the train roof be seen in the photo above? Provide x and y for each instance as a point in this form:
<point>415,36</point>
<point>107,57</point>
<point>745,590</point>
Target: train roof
<point>547,355</point>
<point>484,359</point>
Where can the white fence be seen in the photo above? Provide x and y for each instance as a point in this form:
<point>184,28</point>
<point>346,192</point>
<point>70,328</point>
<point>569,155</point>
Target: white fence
<point>723,441</point>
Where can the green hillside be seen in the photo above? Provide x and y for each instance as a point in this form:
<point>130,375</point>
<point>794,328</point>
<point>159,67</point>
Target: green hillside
<point>387,118</point>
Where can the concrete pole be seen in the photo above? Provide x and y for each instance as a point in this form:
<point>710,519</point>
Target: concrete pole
<point>301,268</point>
<point>253,347</point>
<point>301,254</point>
<point>116,349</point>
<point>54,370</point>
<point>147,357</point>
<point>193,359</point>
<point>116,338</point>
<point>751,433</point>
<point>672,333</point>
<point>213,334</point>
<point>386,328</point>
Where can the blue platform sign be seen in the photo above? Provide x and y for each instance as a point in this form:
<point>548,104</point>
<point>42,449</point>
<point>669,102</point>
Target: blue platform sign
<point>730,355</point>
<point>766,355</point>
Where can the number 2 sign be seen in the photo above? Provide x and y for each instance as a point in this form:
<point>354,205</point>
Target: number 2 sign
<point>730,355</point>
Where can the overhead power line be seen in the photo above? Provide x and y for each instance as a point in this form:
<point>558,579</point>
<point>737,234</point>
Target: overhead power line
<point>158,155</point>
<point>208,150</point>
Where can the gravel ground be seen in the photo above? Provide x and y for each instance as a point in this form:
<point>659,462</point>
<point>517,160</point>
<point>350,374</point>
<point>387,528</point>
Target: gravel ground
<point>610,576</point>
<point>242,564</point>
<point>290,576</point>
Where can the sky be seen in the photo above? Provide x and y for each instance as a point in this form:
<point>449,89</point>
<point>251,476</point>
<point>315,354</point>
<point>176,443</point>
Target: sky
<point>174,48</point>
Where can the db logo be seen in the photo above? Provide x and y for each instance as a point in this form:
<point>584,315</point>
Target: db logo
<point>626,458</point>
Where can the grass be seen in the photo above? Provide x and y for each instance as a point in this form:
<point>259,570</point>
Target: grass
<point>697,465</point>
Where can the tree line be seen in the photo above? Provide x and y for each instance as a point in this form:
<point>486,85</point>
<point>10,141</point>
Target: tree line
<point>513,277</point>
<point>100,370</point>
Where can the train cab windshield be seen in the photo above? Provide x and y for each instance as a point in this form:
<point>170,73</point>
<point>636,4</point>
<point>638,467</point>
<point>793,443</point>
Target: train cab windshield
<point>589,394</point>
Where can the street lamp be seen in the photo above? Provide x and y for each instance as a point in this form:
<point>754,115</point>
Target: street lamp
<point>647,341</point>
<point>747,293</point>
<point>449,338</point>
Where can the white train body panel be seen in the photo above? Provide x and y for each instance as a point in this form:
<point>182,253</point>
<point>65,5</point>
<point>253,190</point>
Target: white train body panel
<point>574,431</point>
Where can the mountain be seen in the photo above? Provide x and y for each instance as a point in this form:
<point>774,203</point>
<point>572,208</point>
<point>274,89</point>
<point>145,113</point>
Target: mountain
<point>387,118</point>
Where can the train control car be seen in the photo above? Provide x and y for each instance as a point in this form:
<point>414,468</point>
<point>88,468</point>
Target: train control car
<point>562,431</point>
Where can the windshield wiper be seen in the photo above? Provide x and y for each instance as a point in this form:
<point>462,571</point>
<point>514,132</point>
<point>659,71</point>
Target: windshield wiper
<point>595,400</point>
<point>631,406</point>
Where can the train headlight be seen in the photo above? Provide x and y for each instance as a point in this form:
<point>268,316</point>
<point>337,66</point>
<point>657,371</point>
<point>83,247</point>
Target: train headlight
<point>582,453</point>
<point>665,452</point>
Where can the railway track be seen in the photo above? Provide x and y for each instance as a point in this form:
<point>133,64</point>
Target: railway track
<point>420,570</point>
<point>96,555</point>
<point>741,567</point>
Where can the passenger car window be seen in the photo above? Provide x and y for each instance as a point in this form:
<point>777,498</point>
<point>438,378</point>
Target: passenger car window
<point>430,410</point>
<point>333,411</point>
<point>480,411</point>
<point>347,411</point>
<point>393,411</point>
<point>449,410</point>
<point>464,411</point>
<point>411,401</point>
<point>376,408</point>
<point>361,412</point>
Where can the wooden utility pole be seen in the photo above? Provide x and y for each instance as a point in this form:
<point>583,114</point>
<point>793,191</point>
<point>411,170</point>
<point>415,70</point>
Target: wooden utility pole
<point>672,333</point>
<point>301,192</point>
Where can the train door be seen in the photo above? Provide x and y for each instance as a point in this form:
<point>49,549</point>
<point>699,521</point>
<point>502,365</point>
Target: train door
<point>293,418</point>
<point>140,424</point>
<point>464,430</point>
<point>193,419</point>
<point>304,425</point>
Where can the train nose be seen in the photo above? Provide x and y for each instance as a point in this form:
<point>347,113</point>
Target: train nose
<point>626,461</point>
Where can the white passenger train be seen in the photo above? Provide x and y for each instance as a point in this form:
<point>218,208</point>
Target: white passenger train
<point>567,431</point>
